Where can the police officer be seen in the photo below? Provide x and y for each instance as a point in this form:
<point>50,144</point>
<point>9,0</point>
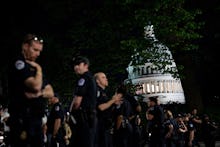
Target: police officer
<point>135,119</point>
<point>123,115</point>
<point>155,123</point>
<point>105,108</point>
<point>83,106</point>
<point>55,126</point>
<point>189,134</point>
<point>28,89</point>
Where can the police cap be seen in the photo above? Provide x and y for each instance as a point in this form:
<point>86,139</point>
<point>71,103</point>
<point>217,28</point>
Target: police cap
<point>79,59</point>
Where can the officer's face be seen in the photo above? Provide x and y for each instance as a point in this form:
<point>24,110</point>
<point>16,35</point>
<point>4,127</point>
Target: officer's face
<point>149,116</point>
<point>81,68</point>
<point>194,111</point>
<point>102,80</point>
<point>32,51</point>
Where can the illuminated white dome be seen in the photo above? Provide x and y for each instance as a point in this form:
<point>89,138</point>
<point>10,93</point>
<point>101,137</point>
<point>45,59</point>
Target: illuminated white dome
<point>151,80</point>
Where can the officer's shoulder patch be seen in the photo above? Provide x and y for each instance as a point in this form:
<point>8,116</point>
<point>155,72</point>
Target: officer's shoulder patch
<point>57,108</point>
<point>19,64</point>
<point>81,82</point>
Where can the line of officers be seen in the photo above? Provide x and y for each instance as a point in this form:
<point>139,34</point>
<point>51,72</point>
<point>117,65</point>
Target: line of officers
<point>114,122</point>
<point>101,120</point>
<point>94,119</point>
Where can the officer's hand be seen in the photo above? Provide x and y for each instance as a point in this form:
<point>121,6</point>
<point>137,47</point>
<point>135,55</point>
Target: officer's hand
<point>33,95</point>
<point>77,102</point>
<point>34,64</point>
<point>117,98</point>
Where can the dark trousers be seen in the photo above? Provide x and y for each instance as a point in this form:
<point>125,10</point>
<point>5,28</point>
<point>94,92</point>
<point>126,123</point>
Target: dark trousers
<point>84,131</point>
<point>55,142</point>
<point>104,137</point>
<point>35,132</point>
<point>157,138</point>
<point>123,137</point>
<point>26,132</point>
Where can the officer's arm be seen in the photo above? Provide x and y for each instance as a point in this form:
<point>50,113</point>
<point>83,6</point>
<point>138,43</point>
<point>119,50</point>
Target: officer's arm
<point>57,125</point>
<point>76,102</point>
<point>170,131</point>
<point>47,92</point>
<point>119,121</point>
<point>115,98</point>
<point>197,120</point>
<point>191,137</point>
<point>35,83</point>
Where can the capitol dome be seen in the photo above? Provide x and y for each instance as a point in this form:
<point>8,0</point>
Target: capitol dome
<point>152,80</point>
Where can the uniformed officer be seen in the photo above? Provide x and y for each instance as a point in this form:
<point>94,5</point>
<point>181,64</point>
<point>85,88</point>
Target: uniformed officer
<point>135,119</point>
<point>105,108</point>
<point>123,127</point>
<point>83,106</point>
<point>55,128</point>
<point>155,116</point>
<point>27,91</point>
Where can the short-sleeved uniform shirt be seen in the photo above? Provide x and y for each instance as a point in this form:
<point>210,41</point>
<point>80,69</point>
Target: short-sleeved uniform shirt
<point>19,71</point>
<point>104,117</point>
<point>86,87</point>
<point>156,124</point>
<point>57,112</point>
<point>133,101</point>
<point>124,110</point>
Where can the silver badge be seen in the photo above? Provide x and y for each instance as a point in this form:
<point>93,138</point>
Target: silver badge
<point>57,108</point>
<point>81,82</point>
<point>98,93</point>
<point>19,64</point>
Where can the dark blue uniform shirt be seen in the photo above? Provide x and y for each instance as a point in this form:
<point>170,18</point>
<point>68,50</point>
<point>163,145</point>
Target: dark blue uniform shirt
<point>19,71</point>
<point>86,87</point>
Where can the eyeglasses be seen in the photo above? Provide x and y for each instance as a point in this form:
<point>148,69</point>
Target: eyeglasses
<point>31,37</point>
<point>37,39</point>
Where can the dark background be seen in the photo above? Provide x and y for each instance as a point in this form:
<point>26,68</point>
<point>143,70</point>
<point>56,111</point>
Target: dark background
<point>52,21</point>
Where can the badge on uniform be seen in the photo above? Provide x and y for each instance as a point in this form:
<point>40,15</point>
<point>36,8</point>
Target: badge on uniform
<point>57,108</point>
<point>19,64</point>
<point>98,93</point>
<point>81,82</point>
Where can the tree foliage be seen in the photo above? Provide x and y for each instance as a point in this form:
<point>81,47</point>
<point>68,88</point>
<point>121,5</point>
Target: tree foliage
<point>107,32</point>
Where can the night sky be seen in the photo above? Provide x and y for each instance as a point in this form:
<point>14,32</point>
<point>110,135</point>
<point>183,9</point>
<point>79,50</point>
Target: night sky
<point>30,16</point>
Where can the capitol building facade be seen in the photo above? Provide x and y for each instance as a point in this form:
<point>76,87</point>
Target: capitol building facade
<point>150,81</point>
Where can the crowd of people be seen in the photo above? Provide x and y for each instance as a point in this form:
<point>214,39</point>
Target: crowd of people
<point>180,130</point>
<point>35,116</point>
